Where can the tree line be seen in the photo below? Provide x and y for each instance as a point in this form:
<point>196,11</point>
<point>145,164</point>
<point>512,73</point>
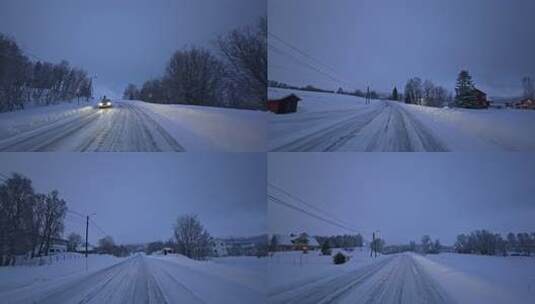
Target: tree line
<point>29,221</point>
<point>235,76</point>
<point>23,81</point>
<point>487,243</point>
<point>341,241</point>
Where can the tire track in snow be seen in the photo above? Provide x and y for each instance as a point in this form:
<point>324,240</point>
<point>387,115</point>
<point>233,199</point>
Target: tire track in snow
<point>396,279</point>
<point>124,127</point>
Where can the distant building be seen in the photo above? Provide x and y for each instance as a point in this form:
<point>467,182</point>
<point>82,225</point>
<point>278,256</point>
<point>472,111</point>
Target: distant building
<point>219,248</point>
<point>296,241</point>
<point>81,248</point>
<point>167,250</point>
<point>284,105</point>
<point>480,101</point>
<point>56,246</point>
<point>528,104</point>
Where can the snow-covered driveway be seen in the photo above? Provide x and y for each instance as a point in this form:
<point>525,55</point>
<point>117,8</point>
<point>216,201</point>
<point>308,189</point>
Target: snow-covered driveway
<point>139,279</point>
<point>124,127</point>
<point>393,279</point>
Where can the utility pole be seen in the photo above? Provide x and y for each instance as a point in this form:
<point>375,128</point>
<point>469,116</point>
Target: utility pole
<point>372,245</point>
<point>86,233</point>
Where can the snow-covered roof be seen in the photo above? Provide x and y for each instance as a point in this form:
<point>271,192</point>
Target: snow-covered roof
<point>288,239</point>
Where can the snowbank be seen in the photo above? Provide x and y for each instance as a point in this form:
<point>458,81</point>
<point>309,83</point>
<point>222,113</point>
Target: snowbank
<point>246,271</point>
<point>74,265</point>
<point>479,130</point>
<point>199,128</point>
<point>483,279</point>
<point>13,123</point>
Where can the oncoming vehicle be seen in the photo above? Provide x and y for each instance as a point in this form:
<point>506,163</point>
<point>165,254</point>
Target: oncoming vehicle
<point>104,103</point>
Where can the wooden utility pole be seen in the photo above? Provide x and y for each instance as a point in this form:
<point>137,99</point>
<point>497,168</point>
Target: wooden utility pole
<point>86,233</point>
<point>372,245</point>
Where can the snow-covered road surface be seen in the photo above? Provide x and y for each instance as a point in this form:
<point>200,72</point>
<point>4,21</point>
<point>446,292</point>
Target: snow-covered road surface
<point>124,127</point>
<point>384,126</point>
<point>336,122</point>
<point>392,279</point>
<point>139,279</point>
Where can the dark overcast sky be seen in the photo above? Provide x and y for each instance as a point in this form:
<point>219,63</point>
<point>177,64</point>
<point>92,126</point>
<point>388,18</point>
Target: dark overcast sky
<point>382,43</point>
<point>137,197</point>
<point>121,41</point>
<point>405,196</point>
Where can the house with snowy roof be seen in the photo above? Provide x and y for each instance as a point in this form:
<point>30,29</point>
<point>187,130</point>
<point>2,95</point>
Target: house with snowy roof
<point>296,241</point>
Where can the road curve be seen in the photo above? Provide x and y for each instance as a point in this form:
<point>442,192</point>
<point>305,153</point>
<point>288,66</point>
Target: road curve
<point>123,128</point>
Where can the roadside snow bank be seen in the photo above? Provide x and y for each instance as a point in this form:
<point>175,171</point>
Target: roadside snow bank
<point>199,128</point>
<point>479,130</point>
<point>13,277</point>
<point>13,123</point>
<point>245,271</point>
<point>483,279</point>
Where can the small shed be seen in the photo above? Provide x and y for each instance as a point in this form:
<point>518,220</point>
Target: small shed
<point>528,103</point>
<point>284,105</point>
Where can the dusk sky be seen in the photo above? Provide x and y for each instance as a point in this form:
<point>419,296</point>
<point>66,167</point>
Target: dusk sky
<point>121,41</point>
<point>405,196</point>
<point>384,43</point>
<point>137,197</point>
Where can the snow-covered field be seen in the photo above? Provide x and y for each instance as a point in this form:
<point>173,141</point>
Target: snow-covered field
<point>483,279</point>
<point>333,122</point>
<point>137,279</point>
<point>211,129</point>
<point>400,278</point>
<point>132,126</point>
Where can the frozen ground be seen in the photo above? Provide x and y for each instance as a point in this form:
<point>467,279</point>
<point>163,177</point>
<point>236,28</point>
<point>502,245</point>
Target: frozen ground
<point>132,126</point>
<point>138,279</point>
<point>332,122</point>
<point>401,278</point>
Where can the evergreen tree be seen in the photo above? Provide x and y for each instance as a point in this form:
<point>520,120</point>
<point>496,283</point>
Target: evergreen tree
<point>395,94</point>
<point>464,90</point>
<point>325,249</point>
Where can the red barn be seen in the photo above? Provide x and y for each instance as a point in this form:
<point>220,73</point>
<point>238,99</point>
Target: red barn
<point>480,99</point>
<point>284,105</point>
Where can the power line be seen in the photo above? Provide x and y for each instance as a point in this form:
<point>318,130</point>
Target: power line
<point>76,213</point>
<point>302,201</point>
<point>307,65</point>
<point>303,53</point>
<point>98,227</point>
<point>326,220</point>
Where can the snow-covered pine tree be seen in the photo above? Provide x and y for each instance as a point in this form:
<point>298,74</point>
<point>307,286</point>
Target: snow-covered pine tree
<point>464,90</point>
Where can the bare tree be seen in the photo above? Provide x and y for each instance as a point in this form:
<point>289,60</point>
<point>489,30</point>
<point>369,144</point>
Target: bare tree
<point>16,216</point>
<point>529,87</point>
<point>245,51</point>
<point>413,91</point>
<point>192,239</point>
<point>193,77</point>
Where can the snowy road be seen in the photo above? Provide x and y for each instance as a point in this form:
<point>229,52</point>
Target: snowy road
<point>383,126</point>
<point>139,279</point>
<point>393,279</point>
<point>124,127</point>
